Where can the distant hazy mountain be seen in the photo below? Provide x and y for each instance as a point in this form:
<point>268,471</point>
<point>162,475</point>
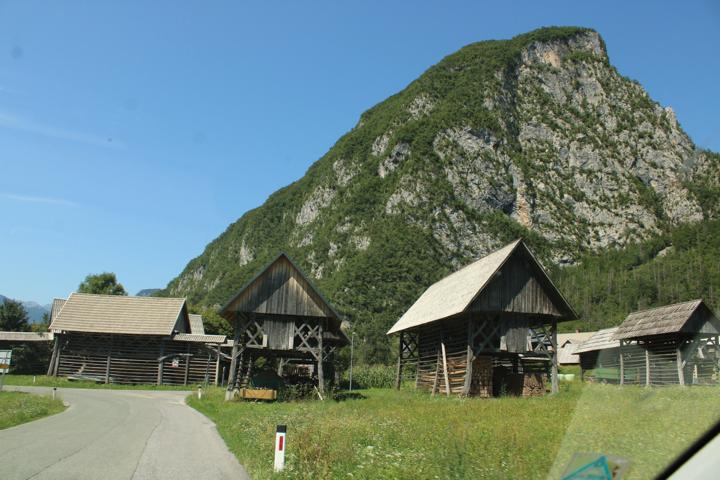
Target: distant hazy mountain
<point>147,292</point>
<point>35,310</point>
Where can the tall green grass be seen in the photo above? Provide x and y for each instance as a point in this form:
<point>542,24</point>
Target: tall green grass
<point>406,434</point>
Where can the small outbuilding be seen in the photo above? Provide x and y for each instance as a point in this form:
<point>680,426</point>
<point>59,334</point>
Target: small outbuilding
<point>281,316</point>
<point>568,344</point>
<point>488,329</point>
<point>600,357</point>
<point>131,340</point>
<point>675,344</point>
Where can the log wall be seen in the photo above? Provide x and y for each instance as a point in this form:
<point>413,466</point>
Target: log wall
<point>493,373</point>
<point>134,359</point>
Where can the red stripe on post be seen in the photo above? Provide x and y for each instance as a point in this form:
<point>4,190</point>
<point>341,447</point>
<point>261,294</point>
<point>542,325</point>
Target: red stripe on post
<point>280,446</point>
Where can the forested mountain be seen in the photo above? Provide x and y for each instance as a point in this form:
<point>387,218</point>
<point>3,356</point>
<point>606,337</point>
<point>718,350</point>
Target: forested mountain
<point>538,136</point>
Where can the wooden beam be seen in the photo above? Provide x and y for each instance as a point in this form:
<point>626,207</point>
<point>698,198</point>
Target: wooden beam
<point>622,363</point>
<point>398,373</point>
<point>469,361</point>
<point>437,373</point>
<point>554,367</point>
<point>58,359</point>
<point>232,375</point>
<point>647,366</point>
<point>445,369</point>
<point>217,367</point>
<point>681,373</point>
<point>161,361</point>
<point>109,359</point>
<point>321,378</point>
<point>53,357</point>
<point>187,365</point>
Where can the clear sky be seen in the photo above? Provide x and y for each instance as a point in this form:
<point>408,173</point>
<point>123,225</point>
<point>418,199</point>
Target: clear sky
<point>132,133</point>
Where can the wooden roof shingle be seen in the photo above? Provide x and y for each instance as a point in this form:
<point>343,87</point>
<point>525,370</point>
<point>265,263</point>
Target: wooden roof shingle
<point>693,317</point>
<point>84,312</point>
<point>602,340</point>
<point>200,338</point>
<point>196,324</point>
<point>57,305</point>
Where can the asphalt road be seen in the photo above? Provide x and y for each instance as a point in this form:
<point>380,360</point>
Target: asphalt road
<point>117,434</point>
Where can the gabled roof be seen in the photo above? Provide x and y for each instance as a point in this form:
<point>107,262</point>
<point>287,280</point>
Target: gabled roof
<point>196,324</point>
<point>674,318</point>
<point>229,307</point>
<point>601,340</point>
<point>57,305</point>
<point>454,294</point>
<point>575,338</point>
<point>84,312</point>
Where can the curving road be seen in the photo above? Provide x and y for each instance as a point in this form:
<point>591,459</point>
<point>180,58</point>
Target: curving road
<point>117,434</point>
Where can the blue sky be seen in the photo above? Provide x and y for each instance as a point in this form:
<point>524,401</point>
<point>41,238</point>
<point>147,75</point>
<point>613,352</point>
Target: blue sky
<point>132,133</point>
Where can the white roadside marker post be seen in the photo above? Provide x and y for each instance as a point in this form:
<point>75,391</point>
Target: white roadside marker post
<point>280,448</point>
<point>54,392</point>
<point>199,392</point>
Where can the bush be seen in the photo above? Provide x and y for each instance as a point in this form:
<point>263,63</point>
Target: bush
<point>370,376</point>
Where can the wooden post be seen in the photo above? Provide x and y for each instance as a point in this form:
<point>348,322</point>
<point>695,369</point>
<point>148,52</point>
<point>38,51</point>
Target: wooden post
<point>187,364</point>
<point>217,367</point>
<point>398,373</point>
<point>622,363</point>
<point>681,373</point>
<point>554,367</point>
<point>232,375</point>
<point>437,373</point>
<point>647,366</point>
<point>107,363</point>
<point>469,361</point>
<point>445,370</point>
<point>53,357</point>
<point>160,363</point>
<point>321,379</point>
<point>280,367</point>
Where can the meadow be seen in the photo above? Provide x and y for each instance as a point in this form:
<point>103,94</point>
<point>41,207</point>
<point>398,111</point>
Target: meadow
<point>383,433</point>
<point>19,407</point>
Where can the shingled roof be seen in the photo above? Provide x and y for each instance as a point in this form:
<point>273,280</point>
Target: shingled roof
<point>83,312</point>
<point>57,305</point>
<point>454,293</point>
<point>602,340</point>
<point>196,324</point>
<point>693,317</point>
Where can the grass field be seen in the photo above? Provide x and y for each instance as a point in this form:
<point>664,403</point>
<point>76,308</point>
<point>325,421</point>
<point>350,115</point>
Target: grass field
<point>389,434</point>
<point>61,382</point>
<point>19,407</point>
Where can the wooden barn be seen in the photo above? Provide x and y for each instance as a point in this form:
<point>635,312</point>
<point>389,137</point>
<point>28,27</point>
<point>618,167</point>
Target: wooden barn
<point>281,316</point>
<point>131,340</point>
<point>675,344</point>
<point>600,357</point>
<point>488,329</point>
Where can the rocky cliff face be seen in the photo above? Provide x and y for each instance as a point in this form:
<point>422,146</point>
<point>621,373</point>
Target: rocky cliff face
<point>536,136</point>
